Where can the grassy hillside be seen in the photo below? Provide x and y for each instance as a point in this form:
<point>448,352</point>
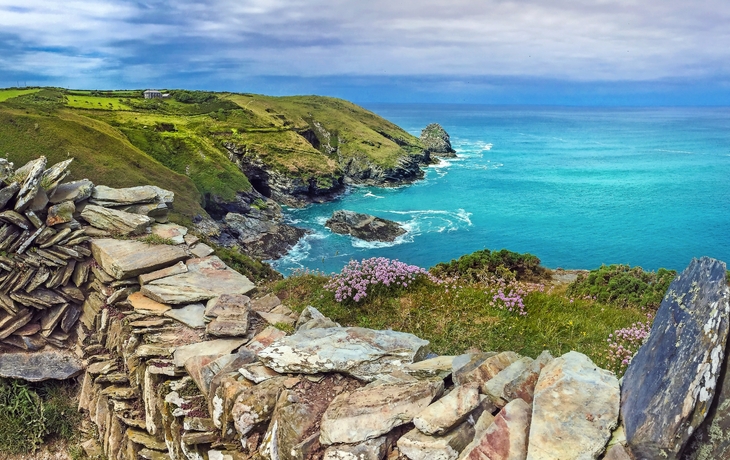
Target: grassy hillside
<point>118,138</point>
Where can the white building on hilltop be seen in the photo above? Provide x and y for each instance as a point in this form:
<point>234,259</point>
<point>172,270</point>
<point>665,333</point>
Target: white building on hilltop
<point>152,94</point>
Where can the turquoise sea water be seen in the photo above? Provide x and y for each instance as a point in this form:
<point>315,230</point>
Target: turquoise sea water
<point>578,187</point>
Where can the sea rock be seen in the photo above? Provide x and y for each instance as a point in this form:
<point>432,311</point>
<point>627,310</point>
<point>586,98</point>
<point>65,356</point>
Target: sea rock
<point>42,365</point>
<point>114,221</point>
<point>449,411</point>
<point>363,353</point>
<point>437,141</point>
<point>107,196</point>
<point>376,409</point>
<point>364,226</point>
<point>72,191</point>
<point>506,438</point>
<point>206,278</point>
<point>124,259</point>
<point>575,409</point>
<point>669,385</point>
<point>417,446</point>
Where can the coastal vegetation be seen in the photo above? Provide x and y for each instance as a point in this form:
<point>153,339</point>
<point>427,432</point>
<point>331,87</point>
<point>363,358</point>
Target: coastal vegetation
<point>488,300</point>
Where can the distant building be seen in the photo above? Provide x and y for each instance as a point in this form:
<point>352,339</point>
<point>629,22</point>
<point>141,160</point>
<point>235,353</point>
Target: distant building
<point>152,94</point>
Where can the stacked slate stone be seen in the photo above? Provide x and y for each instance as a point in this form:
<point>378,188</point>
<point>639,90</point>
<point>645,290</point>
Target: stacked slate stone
<point>45,260</point>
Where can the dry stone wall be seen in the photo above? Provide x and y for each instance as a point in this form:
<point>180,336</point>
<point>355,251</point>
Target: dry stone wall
<point>178,362</point>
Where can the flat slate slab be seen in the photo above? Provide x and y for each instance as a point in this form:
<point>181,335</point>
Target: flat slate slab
<point>40,365</point>
<point>124,259</point>
<point>206,278</point>
<point>670,384</point>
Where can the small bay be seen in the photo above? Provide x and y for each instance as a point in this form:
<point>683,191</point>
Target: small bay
<point>578,187</point>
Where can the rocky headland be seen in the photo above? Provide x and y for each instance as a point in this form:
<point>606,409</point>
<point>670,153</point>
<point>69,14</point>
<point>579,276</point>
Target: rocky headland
<point>364,226</point>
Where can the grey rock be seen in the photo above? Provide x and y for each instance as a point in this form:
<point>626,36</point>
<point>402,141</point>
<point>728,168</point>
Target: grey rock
<point>211,347</point>
<point>449,411</point>
<point>173,232</point>
<point>439,366</point>
<point>202,250</point>
<point>7,193</point>
<point>361,415</point>
<point>311,318</point>
<point>364,226</point>
<point>124,259</point>
<point>418,446</point>
<point>495,388</point>
<point>670,384</point>
<point>206,278</point>
<point>372,449</point>
<point>190,315</point>
<point>176,269</point>
<point>107,196</point>
<point>363,353</point>
<point>72,191</point>
<point>60,213</point>
<point>40,365</point>
<point>575,409</point>
<point>31,173</point>
<point>507,437</point>
<point>117,222</point>
<point>523,386</point>
<point>55,174</point>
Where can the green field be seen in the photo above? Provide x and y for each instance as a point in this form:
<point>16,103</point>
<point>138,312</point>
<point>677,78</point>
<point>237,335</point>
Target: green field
<point>95,103</point>
<point>6,94</point>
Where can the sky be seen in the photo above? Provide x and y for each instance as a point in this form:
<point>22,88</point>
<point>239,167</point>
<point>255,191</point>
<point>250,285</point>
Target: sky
<point>556,52</point>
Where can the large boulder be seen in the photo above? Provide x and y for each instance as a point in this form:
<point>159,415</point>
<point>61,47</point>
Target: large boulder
<point>365,354</point>
<point>437,141</point>
<point>670,384</point>
<point>506,437</point>
<point>124,259</point>
<point>575,409</point>
<point>364,226</point>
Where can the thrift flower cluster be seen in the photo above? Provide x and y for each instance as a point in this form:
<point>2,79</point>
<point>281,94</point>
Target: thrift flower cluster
<point>510,294</point>
<point>624,343</point>
<point>357,279</point>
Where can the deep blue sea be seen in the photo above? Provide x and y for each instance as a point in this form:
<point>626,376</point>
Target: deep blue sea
<point>577,187</point>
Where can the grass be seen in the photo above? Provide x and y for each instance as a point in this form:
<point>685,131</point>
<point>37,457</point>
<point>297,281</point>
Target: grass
<point>462,315</point>
<point>95,102</point>
<point>10,93</point>
<point>32,414</point>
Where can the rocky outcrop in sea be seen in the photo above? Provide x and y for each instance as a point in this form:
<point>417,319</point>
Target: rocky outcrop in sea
<point>437,141</point>
<point>364,226</point>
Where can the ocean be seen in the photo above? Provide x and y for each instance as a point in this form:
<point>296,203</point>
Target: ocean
<point>577,187</point>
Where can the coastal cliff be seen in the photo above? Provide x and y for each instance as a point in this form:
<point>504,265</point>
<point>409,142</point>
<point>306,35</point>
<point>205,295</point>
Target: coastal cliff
<point>231,159</point>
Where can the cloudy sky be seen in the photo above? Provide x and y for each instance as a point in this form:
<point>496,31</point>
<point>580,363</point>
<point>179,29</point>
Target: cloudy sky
<point>488,51</point>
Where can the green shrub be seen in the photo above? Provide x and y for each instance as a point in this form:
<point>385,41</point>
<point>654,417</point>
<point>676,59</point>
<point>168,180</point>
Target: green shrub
<point>503,263</point>
<point>623,286</point>
<point>193,97</point>
<point>252,269</point>
<point>33,413</point>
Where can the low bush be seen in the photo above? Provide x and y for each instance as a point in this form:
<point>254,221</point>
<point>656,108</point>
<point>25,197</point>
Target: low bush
<point>503,263</point>
<point>252,269</point>
<point>625,342</point>
<point>623,286</point>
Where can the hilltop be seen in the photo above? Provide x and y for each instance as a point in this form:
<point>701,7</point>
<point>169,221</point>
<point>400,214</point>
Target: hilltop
<point>231,159</point>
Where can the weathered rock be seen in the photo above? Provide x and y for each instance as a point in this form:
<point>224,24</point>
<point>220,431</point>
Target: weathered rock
<point>372,449</point>
<point>202,250</point>
<point>439,366</point>
<point>254,406</point>
<point>40,365</point>
<point>72,191</point>
<point>494,388</point>
<point>264,339</point>
<point>265,303</point>
<point>125,259</point>
<point>575,408</point>
<point>375,409</point>
<point>507,436</point>
<point>107,196</point>
<point>7,193</point>
<point>257,372</point>
<point>523,386</point>
<point>228,305</point>
<point>437,141</point>
<point>486,369</point>
<point>449,411</point>
<point>219,346</point>
<point>60,213</point>
<point>176,269</point>
<point>464,365</point>
<point>31,174</point>
<point>417,446</point>
<point>190,315</point>
<point>142,304</point>
<point>172,232</point>
<point>114,221</point>
<point>363,353</point>
<point>150,442</point>
<point>364,226</point>
<point>311,318</point>
<point>206,278</point>
<point>228,326</point>
<point>670,383</point>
